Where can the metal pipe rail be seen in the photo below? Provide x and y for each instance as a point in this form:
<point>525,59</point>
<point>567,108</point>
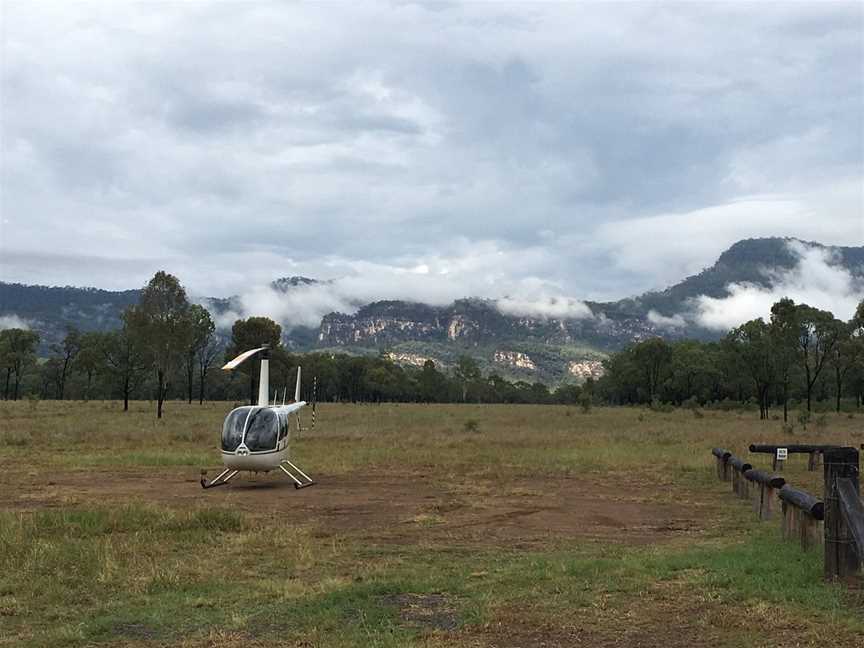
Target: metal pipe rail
<point>720,453</point>
<point>739,464</point>
<point>803,501</point>
<point>762,477</point>
<point>792,448</point>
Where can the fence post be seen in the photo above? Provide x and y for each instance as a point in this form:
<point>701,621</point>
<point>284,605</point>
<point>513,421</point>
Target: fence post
<point>841,554</point>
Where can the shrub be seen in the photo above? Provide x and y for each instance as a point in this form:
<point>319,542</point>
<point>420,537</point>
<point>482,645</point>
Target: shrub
<point>659,406</point>
<point>16,438</point>
<point>585,402</point>
<point>471,425</point>
<point>698,413</point>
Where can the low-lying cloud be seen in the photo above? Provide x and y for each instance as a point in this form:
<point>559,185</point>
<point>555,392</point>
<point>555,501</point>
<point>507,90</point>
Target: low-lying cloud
<point>676,321</point>
<point>817,279</point>
<point>544,307</point>
<point>481,270</point>
<point>13,321</point>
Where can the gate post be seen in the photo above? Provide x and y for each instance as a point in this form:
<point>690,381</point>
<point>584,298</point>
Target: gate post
<point>841,554</point>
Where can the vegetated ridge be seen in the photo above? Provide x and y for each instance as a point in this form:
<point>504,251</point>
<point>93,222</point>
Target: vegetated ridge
<point>530,348</point>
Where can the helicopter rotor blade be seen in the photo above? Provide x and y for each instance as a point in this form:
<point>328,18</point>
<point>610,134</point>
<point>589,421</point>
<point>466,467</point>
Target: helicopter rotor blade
<point>240,359</point>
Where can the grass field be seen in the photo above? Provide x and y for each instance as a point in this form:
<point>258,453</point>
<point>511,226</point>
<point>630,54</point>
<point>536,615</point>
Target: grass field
<point>429,526</point>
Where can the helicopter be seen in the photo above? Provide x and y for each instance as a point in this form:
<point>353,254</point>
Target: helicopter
<point>255,437</point>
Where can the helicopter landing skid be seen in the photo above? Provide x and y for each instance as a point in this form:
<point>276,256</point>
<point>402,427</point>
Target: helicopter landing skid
<point>288,468</point>
<point>219,480</point>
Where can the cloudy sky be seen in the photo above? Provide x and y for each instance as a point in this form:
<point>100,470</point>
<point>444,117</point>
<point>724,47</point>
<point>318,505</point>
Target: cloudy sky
<point>423,150</point>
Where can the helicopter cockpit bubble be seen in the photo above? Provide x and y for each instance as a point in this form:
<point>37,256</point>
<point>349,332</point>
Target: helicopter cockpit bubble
<point>262,430</point>
<point>258,428</point>
<point>232,429</point>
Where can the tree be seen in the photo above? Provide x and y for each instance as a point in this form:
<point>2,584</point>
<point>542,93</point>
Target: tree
<point>206,356</point>
<point>249,334</point>
<point>751,342</point>
<point>467,372</point>
<point>432,384</point>
<point>160,321</point>
<point>785,327</point>
<point>652,359</point>
<point>67,353</point>
<point>18,351</point>
<point>125,358</point>
<point>849,349</point>
<point>201,329</point>
<point>818,333</point>
<point>6,359</point>
<point>90,358</point>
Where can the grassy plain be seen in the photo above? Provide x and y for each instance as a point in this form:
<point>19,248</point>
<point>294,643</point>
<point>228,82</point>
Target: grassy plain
<point>429,526</point>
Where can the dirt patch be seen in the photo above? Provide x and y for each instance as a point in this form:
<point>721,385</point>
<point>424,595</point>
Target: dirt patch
<point>432,611</point>
<point>402,509</point>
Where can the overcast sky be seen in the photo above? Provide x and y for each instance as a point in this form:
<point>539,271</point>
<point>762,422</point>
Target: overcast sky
<point>424,150</point>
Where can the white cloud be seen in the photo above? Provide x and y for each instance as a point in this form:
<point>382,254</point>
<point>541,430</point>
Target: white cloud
<point>669,247</point>
<point>544,307</point>
<point>676,321</point>
<point>613,148</point>
<point>13,321</point>
<point>484,269</point>
<point>816,280</point>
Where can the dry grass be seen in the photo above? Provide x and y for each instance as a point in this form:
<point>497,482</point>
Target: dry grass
<point>142,574</point>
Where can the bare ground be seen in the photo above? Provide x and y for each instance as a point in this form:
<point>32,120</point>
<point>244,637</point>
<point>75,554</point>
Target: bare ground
<point>389,508</point>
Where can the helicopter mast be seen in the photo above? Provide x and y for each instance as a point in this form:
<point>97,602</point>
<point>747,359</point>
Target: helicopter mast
<point>264,378</point>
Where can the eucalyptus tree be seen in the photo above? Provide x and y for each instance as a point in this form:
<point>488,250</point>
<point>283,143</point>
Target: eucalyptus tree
<point>201,329</point>
<point>785,331</point>
<point>653,360</point>
<point>252,333</point>
<point>125,358</point>
<point>752,344</point>
<point>160,320</point>
<point>17,354</point>
<point>818,334</point>
<point>90,359</point>
<point>848,352</point>
<point>66,354</point>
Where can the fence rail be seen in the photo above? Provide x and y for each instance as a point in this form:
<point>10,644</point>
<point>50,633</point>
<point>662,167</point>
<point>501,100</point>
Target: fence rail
<point>837,522</point>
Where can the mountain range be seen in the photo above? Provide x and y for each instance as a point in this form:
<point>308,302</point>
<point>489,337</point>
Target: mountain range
<point>514,345</point>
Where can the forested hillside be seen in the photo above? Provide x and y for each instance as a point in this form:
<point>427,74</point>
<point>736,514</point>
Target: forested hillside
<point>515,346</point>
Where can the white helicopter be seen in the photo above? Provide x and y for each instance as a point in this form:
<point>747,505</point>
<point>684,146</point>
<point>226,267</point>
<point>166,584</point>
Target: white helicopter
<point>255,437</point>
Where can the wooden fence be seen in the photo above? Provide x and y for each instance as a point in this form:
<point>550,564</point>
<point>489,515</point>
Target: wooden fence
<point>837,523</point>
<point>814,451</point>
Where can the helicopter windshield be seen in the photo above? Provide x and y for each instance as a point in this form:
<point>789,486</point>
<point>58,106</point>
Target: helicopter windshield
<point>232,429</point>
<point>262,430</point>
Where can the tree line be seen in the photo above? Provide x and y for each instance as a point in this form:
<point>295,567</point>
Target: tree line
<point>800,353</point>
<point>167,347</point>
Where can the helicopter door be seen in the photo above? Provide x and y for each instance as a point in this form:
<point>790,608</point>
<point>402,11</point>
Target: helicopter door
<point>283,430</point>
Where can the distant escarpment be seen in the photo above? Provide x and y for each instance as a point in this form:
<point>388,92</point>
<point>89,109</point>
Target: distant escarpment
<point>472,323</point>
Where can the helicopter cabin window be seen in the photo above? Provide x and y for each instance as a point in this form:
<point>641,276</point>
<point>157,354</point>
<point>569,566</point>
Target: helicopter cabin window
<point>232,429</point>
<point>283,425</point>
<point>261,430</point>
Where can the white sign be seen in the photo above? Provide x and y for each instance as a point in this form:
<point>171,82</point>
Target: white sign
<point>782,454</point>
